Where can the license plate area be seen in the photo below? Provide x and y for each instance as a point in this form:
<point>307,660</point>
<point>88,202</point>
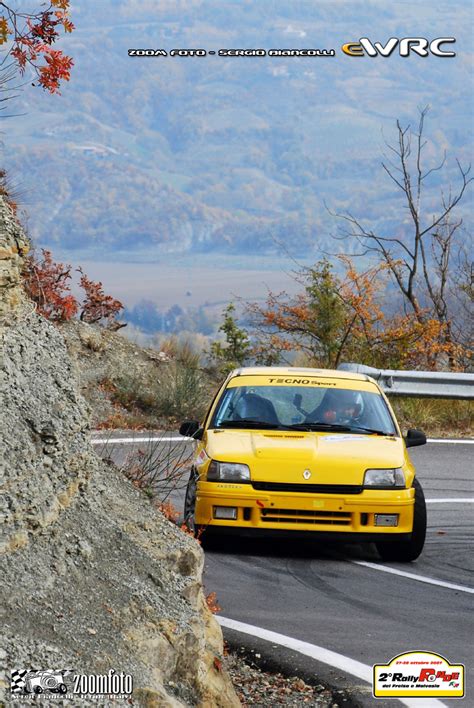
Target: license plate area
<point>305,516</point>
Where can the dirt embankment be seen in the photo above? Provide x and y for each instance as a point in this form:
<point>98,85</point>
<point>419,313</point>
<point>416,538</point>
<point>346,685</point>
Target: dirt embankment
<point>93,578</point>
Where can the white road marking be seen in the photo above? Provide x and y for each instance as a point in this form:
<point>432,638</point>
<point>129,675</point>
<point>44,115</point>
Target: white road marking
<point>326,656</point>
<point>450,501</point>
<point>181,438</point>
<point>414,576</point>
<point>450,442</point>
<point>121,441</point>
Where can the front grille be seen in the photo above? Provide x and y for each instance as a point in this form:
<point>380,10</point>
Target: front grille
<point>304,516</point>
<point>308,488</point>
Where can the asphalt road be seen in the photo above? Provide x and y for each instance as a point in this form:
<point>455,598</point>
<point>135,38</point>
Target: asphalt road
<point>326,595</point>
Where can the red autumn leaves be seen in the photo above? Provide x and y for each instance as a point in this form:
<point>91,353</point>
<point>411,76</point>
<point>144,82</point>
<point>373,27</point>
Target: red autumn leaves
<point>32,36</point>
<point>48,285</point>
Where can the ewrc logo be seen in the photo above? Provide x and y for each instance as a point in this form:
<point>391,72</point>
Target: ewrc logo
<point>407,45</point>
<point>26,682</point>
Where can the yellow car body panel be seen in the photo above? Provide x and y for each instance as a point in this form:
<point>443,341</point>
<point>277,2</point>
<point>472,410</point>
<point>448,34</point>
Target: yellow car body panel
<point>308,481</point>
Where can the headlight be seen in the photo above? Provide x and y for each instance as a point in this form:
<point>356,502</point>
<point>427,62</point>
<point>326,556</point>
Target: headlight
<point>227,472</point>
<point>384,478</point>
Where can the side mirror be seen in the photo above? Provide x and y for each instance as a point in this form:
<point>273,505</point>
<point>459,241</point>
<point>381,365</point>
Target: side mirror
<point>414,438</point>
<point>189,429</point>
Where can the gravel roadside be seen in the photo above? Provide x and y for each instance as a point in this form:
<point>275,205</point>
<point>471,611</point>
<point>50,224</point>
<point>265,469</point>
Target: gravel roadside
<point>257,687</point>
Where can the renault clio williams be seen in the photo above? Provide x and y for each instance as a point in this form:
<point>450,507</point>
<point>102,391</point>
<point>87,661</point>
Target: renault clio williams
<point>285,450</point>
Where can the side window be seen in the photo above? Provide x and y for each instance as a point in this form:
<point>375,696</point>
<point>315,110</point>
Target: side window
<point>206,419</point>
<point>225,406</point>
<point>210,409</point>
<point>227,403</point>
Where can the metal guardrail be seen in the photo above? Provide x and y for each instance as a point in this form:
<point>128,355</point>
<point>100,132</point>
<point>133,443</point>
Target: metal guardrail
<point>425,384</point>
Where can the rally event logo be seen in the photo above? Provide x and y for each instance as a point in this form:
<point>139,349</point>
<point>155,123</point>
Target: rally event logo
<point>66,682</point>
<point>418,674</point>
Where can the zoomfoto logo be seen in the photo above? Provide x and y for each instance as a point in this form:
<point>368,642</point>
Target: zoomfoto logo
<point>406,46</point>
<point>67,682</point>
<point>100,684</point>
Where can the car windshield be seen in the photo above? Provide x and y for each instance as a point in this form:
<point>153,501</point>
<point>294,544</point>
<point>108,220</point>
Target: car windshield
<point>303,407</point>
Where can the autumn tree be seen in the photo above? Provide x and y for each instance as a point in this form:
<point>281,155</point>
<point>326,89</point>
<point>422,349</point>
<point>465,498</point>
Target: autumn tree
<point>313,322</point>
<point>48,284</point>
<point>421,255</point>
<point>29,38</point>
<point>343,317</point>
<point>318,322</point>
<point>97,307</point>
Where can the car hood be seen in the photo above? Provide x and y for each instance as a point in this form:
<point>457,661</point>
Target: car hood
<point>331,458</point>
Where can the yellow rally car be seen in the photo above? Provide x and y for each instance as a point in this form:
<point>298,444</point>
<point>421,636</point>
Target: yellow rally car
<point>306,450</point>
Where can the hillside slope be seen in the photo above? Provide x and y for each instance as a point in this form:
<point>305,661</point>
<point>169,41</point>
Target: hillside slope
<point>93,578</point>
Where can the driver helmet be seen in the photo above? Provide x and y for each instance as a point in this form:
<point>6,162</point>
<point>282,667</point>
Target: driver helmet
<point>341,406</point>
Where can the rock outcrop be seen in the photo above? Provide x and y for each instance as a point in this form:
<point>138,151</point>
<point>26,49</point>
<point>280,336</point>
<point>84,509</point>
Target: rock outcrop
<point>92,577</point>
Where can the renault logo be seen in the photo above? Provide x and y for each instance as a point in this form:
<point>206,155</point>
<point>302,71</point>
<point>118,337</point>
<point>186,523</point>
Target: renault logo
<point>307,474</point>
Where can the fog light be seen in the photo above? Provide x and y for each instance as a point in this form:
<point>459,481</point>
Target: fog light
<point>225,512</point>
<point>386,519</point>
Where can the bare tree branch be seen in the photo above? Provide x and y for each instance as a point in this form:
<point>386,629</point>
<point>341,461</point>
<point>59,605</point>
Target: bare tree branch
<point>419,261</point>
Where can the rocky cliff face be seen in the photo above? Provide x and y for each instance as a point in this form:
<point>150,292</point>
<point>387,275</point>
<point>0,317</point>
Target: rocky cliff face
<point>92,577</point>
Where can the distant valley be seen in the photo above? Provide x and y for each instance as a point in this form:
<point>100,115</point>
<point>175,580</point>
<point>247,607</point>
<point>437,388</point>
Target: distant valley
<point>145,157</point>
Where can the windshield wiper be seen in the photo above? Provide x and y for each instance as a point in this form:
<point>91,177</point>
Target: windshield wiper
<point>337,428</point>
<point>247,423</point>
<point>250,423</point>
<point>319,426</point>
<point>309,427</point>
<point>372,431</point>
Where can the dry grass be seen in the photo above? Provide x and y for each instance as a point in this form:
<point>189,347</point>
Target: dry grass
<point>159,468</point>
<point>435,416</point>
<point>177,391</point>
<point>127,420</point>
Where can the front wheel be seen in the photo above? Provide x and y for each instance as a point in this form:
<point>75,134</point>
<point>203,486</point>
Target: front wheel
<point>190,507</point>
<point>407,551</point>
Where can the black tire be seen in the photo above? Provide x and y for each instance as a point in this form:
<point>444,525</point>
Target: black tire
<point>37,690</point>
<point>407,551</point>
<point>190,506</point>
<point>62,688</point>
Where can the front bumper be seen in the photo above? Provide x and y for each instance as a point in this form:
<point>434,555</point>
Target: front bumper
<point>345,516</point>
